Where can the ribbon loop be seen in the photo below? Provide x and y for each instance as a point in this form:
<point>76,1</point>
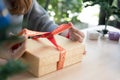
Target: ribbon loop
<point>50,36</point>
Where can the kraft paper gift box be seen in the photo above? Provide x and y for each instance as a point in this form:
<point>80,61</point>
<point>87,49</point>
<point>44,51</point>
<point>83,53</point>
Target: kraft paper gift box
<point>42,56</point>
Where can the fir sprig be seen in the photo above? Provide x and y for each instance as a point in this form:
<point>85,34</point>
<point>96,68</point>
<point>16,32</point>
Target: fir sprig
<point>12,67</point>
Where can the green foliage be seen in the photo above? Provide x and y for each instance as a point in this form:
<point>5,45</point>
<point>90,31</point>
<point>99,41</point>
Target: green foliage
<point>42,2</point>
<point>63,9</point>
<point>109,6</point>
<point>12,67</point>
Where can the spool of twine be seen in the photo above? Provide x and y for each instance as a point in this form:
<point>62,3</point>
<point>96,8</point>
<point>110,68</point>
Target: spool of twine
<point>114,36</point>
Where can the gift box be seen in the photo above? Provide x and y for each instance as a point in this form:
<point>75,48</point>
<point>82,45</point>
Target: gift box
<point>43,57</point>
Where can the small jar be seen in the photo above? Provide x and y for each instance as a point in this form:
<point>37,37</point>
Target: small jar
<point>92,34</point>
<point>114,35</point>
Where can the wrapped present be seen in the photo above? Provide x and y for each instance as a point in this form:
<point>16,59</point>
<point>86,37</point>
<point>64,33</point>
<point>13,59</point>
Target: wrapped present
<point>42,57</point>
<point>47,52</point>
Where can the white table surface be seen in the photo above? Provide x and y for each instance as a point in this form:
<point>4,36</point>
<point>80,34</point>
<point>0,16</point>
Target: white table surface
<point>101,62</point>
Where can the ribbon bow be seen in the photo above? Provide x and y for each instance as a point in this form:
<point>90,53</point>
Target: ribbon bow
<point>50,36</point>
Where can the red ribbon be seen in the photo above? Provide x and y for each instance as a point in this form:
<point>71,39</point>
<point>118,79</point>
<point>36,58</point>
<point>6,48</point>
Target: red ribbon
<point>50,36</point>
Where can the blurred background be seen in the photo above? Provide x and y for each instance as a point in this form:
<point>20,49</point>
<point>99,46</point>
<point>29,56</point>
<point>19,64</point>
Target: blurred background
<point>84,12</point>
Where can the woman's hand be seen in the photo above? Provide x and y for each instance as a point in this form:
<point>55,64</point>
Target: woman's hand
<point>12,48</point>
<point>75,34</point>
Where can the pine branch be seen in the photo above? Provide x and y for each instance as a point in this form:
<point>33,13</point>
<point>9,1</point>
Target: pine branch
<point>12,67</point>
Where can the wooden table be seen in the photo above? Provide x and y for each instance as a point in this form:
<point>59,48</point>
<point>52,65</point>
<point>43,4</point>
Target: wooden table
<point>101,62</point>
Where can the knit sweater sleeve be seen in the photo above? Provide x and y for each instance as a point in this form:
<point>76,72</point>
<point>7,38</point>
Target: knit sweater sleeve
<point>38,19</point>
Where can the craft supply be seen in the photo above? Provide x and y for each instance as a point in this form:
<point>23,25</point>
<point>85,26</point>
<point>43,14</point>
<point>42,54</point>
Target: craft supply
<point>114,35</point>
<point>92,34</point>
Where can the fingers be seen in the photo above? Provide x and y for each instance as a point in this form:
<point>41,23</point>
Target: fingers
<point>76,35</point>
<point>75,30</point>
<point>13,47</point>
